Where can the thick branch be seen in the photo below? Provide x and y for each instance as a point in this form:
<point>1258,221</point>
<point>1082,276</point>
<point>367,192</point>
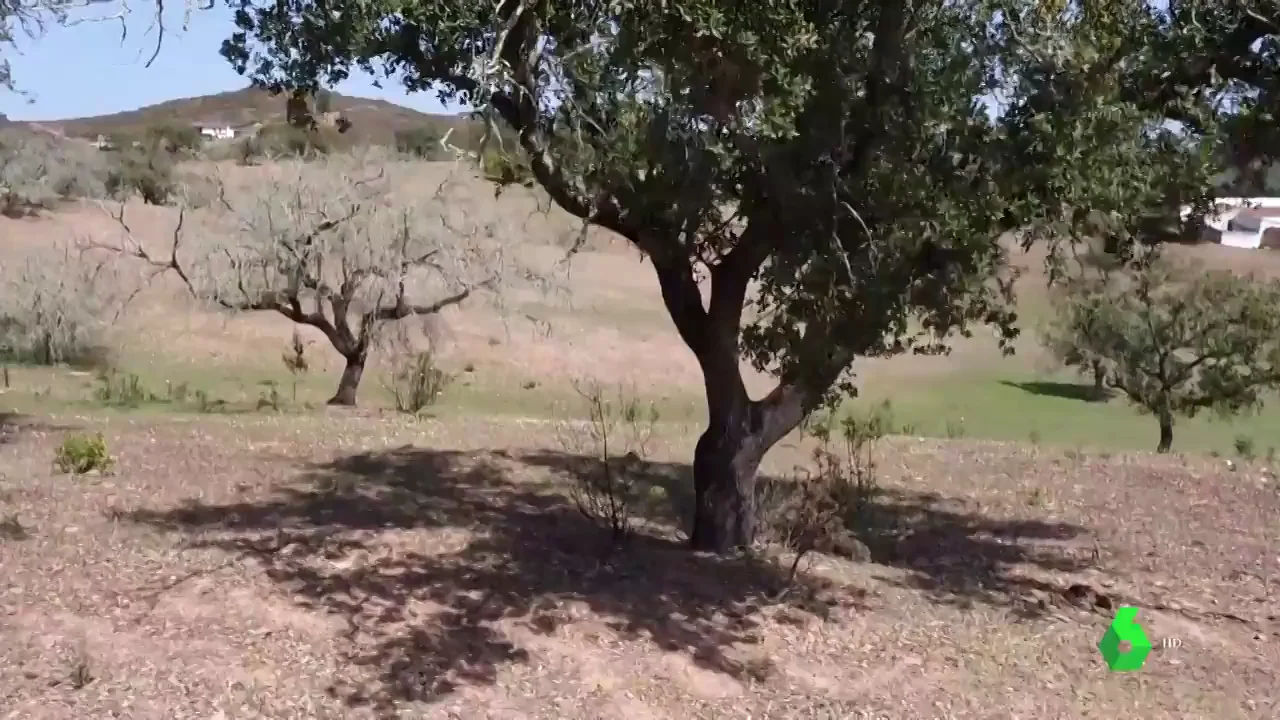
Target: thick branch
<point>287,304</point>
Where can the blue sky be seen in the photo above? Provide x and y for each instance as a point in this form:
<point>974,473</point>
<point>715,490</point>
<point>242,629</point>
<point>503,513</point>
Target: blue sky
<point>85,70</point>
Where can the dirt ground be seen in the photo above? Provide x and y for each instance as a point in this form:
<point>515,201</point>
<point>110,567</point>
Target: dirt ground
<point>363,565</point>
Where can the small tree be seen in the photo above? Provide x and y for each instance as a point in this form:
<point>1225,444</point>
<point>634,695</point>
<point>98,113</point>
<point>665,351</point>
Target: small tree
<point>1177,342</point>
<point>329,245</point>
<point>173,137</point>
<point>423,142</point>
<point>146,170</point>
<point>54,309</point>
<point>37,170</point>
<point>295,361</point>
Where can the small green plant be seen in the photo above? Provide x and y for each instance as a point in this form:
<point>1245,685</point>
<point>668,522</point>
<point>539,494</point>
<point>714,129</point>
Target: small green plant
<point>122,390</point>
<point>1034,437</point>
<point>270,398</point>
<point>178,393</point>
<point>206,403</point>
<point>820,505</point>
<point>80,454</point>
<point>295,361</point>
<point>612,445</point>
<point>422,142</point>
<point>955,428</point>
<point>1244,448</point>
<point>416,383</point>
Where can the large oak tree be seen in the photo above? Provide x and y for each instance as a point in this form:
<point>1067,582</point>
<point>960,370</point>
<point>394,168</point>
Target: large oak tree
<point>839,157</point>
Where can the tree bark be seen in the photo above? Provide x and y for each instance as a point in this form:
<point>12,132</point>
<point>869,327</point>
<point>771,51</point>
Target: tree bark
<point>1166,432</point>
<point>349,384</point>
<point>1099,381</point>
<point>725,464</point>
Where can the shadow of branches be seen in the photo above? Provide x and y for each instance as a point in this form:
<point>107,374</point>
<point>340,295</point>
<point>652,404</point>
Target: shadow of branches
<point>956,555</point>
<point>431,610</point>
<point>13,425</point>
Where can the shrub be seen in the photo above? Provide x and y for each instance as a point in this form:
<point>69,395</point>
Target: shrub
<point>122,390</point>
<point>81,454</point>
<point>416,383</point>
<point>612,444</point>
<point>284,140</point>
<point>144,171</point>
<point>818,508</point>
<point>37,170</point>
<point>1245,447</point>
<point>506,169</point>
<point>173,138</point>
<point>421,142</point>
<point>53,311</point>
<point>295,361</point>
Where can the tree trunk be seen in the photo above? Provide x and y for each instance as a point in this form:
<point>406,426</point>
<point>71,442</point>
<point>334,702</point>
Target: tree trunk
<point>725,463</point>
<point>1099,381</point>
<point>1166,432</point>
<point>350,382</point>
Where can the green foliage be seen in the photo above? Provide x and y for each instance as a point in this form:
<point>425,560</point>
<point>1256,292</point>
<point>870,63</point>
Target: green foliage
<point>142,170</point>
<point>173,138</point>
<point>612,444</point>
<point>822,506</point>
<point>1245,448</point>
<point>1177,341</point>
<point>122,390</point>
<point>503,168</point>
<point>82,454</point>
<point>38,170</point>
<point>269,398</point>
<point>295,361</point>
<point>422,142</point>
<point>835,157</point>
<point>288,141</point>
<point>416,383</point>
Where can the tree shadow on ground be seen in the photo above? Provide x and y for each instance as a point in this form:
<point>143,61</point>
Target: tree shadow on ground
<point>423,609</point>
<point>13,425</point>
<point>956,555</point>
<point>1084,392</point>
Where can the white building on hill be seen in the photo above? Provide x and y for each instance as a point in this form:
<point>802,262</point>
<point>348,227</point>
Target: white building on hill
<point>1249,223</point>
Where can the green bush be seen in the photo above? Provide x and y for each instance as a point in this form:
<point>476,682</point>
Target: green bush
<point>416,383</point>
<point>144,171</point>
<point>37,170</point>
<point>81,454</point>
<point>283,140</point>
<point>173,138</point>
<point>506,169</point>
<point>421,142</point>
<point>122,390</point>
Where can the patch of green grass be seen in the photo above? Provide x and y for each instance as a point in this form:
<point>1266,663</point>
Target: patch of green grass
<point>1052,408</point>
<point>512,397</point>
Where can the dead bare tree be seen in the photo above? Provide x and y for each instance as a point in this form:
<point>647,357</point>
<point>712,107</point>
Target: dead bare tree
<point>327,245</point>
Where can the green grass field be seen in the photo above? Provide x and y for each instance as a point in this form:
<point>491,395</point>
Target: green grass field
<point>1005,404</point>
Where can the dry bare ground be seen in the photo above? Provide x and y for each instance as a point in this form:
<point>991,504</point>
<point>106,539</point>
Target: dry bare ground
<point>352,566</point>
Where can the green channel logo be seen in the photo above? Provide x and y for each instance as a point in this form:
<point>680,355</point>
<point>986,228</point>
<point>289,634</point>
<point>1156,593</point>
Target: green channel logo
<point>1125,629</point>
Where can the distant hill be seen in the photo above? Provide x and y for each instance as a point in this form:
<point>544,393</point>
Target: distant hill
<point>372,120</point>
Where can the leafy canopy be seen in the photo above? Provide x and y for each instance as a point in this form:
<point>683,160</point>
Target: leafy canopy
<point>1179,340</point>
<point>837,152</point>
